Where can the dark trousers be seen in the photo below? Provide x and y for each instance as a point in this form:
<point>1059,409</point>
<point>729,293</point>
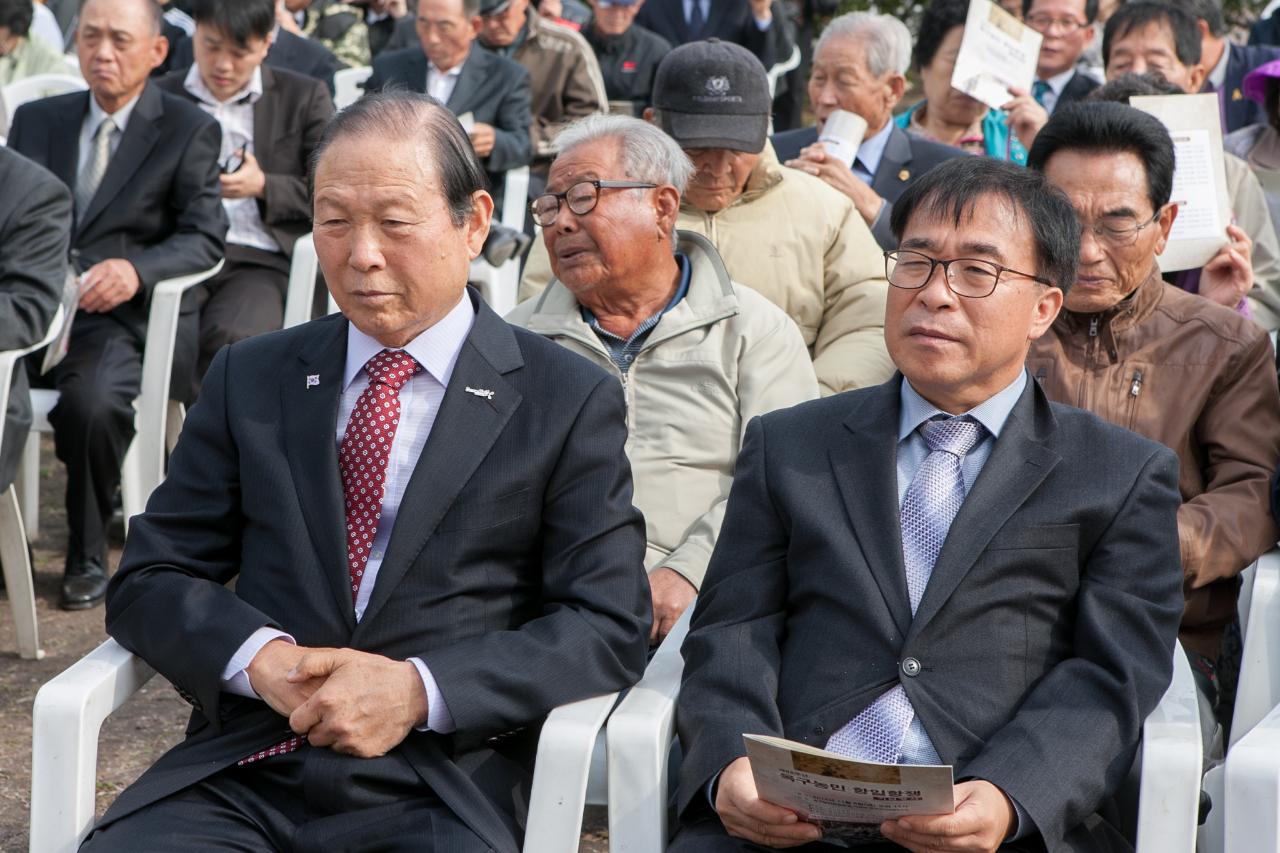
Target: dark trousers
<point>93,422</point>
<point>310,800</point>
<point>244,299</point>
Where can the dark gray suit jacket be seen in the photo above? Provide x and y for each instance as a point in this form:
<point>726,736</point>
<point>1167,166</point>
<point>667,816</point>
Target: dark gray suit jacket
<point>287,123</point>
<point>515,570</point>
<point>35,229</point>
<point>158,206</point>
<point>906,157</point>
<point>729,20</point>
<point>492,88</point>
<point>1044,637</point>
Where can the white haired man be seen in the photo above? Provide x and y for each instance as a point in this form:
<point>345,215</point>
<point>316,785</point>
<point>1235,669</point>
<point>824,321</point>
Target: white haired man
<point>698,356</point>
<point>860,66</point>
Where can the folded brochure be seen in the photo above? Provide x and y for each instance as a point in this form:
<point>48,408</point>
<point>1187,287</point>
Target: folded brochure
<point>848,799</point>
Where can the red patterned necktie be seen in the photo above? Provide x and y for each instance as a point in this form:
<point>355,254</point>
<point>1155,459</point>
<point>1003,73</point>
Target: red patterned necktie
<point>362,462</point>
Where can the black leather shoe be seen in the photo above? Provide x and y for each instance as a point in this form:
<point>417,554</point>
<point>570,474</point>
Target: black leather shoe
<point>84,585</point>
<point>503,244</point>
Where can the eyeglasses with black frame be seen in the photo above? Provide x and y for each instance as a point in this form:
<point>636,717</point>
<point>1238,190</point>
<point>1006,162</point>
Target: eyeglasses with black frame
<point>1046,24</point>
<point>1123,230</point>
<point>970,277</point>
<point>581,198</point>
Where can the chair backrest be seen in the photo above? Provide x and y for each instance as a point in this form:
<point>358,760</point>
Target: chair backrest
<point>8,358</point>
<point>348,85</point>
<point>302,282</point>
<point>791,63</point>
<point>39,86</point>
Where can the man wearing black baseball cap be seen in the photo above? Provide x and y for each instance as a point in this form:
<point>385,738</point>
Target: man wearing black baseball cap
<point>784,233</point>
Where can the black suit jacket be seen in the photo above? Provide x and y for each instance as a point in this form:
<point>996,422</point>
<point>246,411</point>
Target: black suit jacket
<point>1237,110</point>
<point>1044,637</point>
<point>292,53</point>
<point>492,88</point>
<point>515,571</point>
<point>1077,88</point>
<point>35,229</point>
<point>906,157</point>
<point>730,20</point>
<point>158,205</point>
<point>288,121</point>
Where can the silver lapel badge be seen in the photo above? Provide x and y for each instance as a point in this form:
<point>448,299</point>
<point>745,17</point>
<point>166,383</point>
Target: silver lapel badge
<point>313,380</point>
<point>480,392</point>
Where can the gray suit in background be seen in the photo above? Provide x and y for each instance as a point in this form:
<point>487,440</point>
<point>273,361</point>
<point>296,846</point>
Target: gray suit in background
<point>35,229</point>
<point>1043,639</point>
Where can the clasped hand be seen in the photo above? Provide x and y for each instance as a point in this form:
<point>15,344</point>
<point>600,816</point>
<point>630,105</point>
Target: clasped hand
<point>354,702</point>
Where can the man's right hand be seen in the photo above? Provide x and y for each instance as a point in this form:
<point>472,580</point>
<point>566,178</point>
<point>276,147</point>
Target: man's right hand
<point>745,815</point>
<point>269,676</point>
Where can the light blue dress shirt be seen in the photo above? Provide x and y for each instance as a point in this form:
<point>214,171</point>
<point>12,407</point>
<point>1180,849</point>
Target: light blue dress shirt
<point>870,152</point>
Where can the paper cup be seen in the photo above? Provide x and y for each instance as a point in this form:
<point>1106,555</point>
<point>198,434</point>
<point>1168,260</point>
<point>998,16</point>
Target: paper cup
<point>842,134</point>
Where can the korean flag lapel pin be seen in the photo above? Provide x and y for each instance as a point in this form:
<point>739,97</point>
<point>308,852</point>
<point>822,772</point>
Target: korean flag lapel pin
<point>313,379</point>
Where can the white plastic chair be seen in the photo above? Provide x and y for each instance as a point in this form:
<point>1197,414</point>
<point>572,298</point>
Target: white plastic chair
<point>791,63</point>
<point>641,731</point>
<point>70,709</point>
<point>157,418</point>
<point>1258,691</point>
<point>498,285</point>
<point>348,85</point>
<point>39,86</point>
<point>300,296</point>
<point>14,560</point>
<point>1250,779</point>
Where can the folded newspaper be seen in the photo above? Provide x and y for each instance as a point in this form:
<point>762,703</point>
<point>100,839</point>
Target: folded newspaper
<point>848,799</point>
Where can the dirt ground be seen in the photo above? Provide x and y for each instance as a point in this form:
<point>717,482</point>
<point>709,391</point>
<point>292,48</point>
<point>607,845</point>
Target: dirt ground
<point>150,723</point>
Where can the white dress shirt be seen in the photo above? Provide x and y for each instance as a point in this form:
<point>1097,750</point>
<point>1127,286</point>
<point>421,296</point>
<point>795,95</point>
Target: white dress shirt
<point>89,127</point>
<point>437,351</point>
<point>235,115</point>
<point>1056,84</point>
<point>440,84</point>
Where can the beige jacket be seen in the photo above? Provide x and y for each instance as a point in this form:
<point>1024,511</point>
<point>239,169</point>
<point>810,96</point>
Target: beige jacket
<point>565,78</point>
<point>717,359</point>
<point>802,245</point>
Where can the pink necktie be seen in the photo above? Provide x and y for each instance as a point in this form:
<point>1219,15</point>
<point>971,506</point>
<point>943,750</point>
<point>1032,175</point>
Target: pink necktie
<point>362,462</point>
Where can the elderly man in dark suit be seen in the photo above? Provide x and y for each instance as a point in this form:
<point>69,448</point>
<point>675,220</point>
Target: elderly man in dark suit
<point>143,169</point>
<point>35,228</point>
<point>1067,27</point>
<point>428,516</point>
<point>1226,63</point>
<point>761,26</point>
<point>271,121</point>
<point>986,598</point>
<point>859,66</point>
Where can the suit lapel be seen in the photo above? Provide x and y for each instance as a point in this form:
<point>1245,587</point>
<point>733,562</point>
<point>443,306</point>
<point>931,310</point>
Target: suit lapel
<point>64,141</point>
<point>472,75</point>
<point>461,437</point>
<point>866,474</point>
<point>1018,464</point>
<point>310,421</point>
<point>135,146</point>
<point>715,14</point>
<point>888,181</point>
<point>267,115</point>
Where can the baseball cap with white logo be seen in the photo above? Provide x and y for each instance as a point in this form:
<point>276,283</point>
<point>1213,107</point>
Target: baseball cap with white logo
<point>713,94</point>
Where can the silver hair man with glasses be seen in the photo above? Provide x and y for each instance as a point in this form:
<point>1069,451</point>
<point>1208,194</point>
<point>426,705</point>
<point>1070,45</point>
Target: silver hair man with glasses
<point>859,66</point>
<point>698,356</point>
<point>925,572</point>
<point>1195,376</point>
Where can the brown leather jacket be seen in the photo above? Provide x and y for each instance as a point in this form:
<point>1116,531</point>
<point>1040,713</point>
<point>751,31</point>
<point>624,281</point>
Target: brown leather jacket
<point>1200,379</point>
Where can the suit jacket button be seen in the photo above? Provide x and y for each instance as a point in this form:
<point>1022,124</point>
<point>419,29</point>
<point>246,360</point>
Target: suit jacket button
<point>910,667</point>
<point>817,730</point>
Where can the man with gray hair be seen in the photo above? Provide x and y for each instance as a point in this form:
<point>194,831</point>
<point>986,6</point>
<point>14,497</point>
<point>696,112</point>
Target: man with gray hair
<point>697,355</point>
<point>427,514</point>
<point>859,66</point>
<point>782,233</point>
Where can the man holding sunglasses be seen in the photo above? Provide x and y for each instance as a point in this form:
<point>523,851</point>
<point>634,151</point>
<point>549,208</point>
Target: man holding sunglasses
<point>1169,365</point>
<point>698,355</point>
<point>943,569</point>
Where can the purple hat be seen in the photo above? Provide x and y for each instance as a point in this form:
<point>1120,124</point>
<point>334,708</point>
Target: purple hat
<point>1255,82</point>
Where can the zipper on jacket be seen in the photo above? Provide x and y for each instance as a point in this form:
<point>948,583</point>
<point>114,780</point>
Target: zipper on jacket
<point>1136,388</point>
<point>1090,345</point>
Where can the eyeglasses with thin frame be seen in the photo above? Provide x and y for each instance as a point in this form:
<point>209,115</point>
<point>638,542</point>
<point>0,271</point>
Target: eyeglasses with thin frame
<point>973,278</point>
<point>581,198</point>
<point>1046,24</point>
<point>1121,235</point>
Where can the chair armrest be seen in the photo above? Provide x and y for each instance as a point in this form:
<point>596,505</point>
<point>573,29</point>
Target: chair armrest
<point>1253,788</point>
<point>8,358</point>
<point>1259,683</point>
<point>67,717</point>
<point>1169,793</point>
<point>560,774</point>
<point>639,739</point>
<point>157,367</point>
